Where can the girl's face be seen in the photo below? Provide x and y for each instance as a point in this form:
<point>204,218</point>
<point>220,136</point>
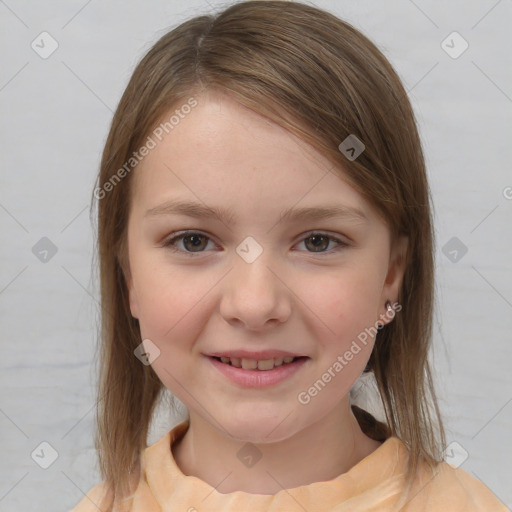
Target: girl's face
<point>250,279</point>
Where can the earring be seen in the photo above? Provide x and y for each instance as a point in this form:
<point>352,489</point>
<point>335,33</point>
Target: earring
<point>390,310</point>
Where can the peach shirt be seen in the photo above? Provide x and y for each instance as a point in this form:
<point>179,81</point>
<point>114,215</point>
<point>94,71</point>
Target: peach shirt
<point>374,484</point>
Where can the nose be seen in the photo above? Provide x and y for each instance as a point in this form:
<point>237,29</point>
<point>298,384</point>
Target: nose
<point>256,295</point>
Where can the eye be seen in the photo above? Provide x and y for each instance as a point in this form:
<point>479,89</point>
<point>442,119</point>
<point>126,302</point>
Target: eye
<point>192,240</point>
<point>318,242</point>
<point>196,242</point>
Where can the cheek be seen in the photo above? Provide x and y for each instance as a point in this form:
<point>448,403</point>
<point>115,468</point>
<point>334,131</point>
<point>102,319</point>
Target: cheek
<point>172,317</point>
<point>170,303</point>
<point>163,292</point>
<point>347,300</point>
<point>346,310</point>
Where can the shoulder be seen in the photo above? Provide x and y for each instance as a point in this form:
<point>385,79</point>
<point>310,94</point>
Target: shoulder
<point>447,488</point>
<point>98,499</point>
<point>101,497</point>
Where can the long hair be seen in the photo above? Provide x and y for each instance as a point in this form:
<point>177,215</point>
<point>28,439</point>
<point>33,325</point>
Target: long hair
<point>321,79</point>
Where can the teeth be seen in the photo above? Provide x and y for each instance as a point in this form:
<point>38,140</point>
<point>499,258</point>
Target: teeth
<point>249,364</point>
<point>268,364</point>
<point>253,364</point>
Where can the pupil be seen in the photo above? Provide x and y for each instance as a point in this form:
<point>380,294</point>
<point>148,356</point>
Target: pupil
<point>196,240</point>
<point>317,241</point>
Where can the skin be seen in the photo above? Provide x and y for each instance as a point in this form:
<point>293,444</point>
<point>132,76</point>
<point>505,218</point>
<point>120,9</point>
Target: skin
<point>290,298</point>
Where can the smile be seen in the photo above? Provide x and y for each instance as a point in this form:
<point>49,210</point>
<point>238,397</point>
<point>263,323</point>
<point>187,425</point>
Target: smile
<point>252,373</point>
<point>253,364</point>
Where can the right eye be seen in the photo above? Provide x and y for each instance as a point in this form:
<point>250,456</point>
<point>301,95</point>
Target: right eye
<point>193,240</point>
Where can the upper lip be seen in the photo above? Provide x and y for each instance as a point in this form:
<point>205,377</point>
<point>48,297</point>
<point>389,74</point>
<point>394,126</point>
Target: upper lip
<point>259,356</point>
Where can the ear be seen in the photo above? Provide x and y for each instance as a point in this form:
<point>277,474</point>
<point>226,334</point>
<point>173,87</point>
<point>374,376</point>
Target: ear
<point>396,271</point>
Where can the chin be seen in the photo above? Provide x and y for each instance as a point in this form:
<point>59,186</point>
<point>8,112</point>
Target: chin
<point>259,429</point>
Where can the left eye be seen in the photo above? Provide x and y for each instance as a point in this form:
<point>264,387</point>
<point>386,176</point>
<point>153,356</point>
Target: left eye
<point>320,241</point>
<point>316,241</point>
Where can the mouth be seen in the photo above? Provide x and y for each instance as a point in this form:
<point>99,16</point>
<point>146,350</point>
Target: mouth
<point>260,373</point>
<point>255,364</point>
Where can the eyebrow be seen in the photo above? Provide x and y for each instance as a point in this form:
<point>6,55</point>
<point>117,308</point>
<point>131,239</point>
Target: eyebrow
<point>227,216</point>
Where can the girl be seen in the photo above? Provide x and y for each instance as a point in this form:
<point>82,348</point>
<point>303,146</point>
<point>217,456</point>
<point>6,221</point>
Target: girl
<point>265,238</point>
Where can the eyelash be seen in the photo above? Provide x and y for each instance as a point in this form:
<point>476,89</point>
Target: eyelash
<point>171,242</point>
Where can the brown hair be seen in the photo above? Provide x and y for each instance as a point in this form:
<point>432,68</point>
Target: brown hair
<point>320,78</point>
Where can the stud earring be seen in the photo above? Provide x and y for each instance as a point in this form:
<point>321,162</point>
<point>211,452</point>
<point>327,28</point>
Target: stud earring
<point>389,309</point>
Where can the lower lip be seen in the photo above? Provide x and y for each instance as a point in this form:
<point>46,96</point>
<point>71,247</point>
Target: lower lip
<point>258,378</point>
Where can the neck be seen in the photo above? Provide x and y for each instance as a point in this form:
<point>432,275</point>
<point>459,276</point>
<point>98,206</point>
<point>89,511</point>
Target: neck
<point>320,452</point>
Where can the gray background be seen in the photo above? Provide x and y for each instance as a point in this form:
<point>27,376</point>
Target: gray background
<point>55,117</point>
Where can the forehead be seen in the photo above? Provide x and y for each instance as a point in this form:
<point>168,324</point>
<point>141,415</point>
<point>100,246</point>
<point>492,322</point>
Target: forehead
<point>225,154</point>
